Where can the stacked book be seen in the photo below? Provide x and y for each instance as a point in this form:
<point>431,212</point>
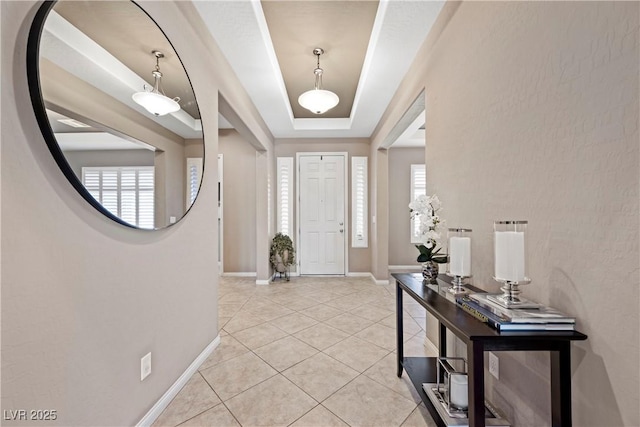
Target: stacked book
<point>515,319</point>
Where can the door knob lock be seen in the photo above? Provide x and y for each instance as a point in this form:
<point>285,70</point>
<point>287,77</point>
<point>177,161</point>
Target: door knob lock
<point>341,230</point>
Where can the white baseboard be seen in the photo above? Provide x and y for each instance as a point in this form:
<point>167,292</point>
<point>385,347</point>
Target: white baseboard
<point>168,396</point>
<point>239,274</point>
<point>369,275</point>
<point>359,274</point>
<point>431,347</point>
<point>348,274</point>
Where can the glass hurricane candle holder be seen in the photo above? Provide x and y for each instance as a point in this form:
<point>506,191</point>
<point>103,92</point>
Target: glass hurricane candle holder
<point>459,265</point>
<point>452,371</point>
<point>510,256</point>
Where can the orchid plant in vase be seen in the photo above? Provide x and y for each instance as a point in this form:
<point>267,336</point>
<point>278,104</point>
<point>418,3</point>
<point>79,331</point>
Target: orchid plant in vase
<point>426,208</point>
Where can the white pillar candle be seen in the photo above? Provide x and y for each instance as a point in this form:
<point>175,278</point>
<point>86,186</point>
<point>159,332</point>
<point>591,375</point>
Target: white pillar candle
<point>509,255</point>
<point>460,256</point>
<point>459,394</point>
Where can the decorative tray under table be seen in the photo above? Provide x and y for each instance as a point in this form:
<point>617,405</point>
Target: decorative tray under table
<point>458,418</point>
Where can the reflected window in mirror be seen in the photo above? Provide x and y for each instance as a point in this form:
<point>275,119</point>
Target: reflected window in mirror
<point>85,61</point>
<point>126,192</point>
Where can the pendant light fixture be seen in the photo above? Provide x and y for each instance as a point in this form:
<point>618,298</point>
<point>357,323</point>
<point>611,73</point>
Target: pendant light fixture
<point>318,100</point>
<point>153,99</point>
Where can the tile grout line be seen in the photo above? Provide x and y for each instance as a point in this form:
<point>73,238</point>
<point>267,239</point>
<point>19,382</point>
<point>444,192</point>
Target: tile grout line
<point>374,302</point>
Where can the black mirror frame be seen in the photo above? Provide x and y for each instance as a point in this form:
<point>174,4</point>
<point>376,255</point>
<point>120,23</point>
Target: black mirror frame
<point>37,101</point>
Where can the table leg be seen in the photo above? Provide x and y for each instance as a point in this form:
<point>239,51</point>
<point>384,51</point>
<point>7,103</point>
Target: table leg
<point>442,340</point>
<point>561,385</point>
<point>399,328</point>
<point>475,372</point>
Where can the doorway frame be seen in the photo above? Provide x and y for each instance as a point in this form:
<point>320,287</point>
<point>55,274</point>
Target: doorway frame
<point>220,214</point>
<point>347,180</point>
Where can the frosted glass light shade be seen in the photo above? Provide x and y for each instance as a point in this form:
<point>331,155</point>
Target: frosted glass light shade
<point>155,103</point>
<point>318,101</point>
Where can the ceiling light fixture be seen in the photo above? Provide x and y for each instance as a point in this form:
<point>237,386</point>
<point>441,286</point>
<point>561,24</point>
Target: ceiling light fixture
<point>318,100</point>
<point>153,99</point>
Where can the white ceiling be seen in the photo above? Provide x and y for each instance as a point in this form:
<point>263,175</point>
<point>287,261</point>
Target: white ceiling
<point>413,136</point>
<point>241,31</point>
<point>72,50</point>
<point>342,29</point>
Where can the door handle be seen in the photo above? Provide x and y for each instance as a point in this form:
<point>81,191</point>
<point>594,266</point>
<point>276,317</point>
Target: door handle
<point>341,230</point>
<point>341,224</point>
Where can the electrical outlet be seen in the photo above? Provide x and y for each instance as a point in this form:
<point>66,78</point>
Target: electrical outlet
<point>494,365</point>
<point>145,366</point>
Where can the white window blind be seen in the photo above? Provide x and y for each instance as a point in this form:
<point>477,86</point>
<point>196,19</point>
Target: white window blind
<point>418,188</point>
<point>194,176</point>
<point>285,195</point>
<point>126,192</point>
<point>359,202</point>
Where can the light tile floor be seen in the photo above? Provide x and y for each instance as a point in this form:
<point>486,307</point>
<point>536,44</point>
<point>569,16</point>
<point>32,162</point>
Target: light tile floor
<point>311,352</point>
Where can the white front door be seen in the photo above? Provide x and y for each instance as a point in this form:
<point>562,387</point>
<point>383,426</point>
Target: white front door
<point>322,214</point>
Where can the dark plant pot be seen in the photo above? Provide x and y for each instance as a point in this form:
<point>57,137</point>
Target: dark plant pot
<point>281,264</point>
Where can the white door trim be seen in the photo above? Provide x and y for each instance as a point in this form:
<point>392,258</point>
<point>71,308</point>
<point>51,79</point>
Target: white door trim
<point>347,179</point>
<point>221,214</point>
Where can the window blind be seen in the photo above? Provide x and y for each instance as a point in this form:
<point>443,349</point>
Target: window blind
<point>284,189</point>
<point>194,176</point>
<point>359,202</point>
<point>418,188</point>
<point>126,192</point>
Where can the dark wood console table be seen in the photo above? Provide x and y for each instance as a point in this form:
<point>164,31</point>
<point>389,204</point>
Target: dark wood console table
<point>479,338</point>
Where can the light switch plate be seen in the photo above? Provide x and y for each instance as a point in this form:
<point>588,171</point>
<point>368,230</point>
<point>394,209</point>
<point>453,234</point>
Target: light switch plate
<point>494,365</point>
<point>145,366</point>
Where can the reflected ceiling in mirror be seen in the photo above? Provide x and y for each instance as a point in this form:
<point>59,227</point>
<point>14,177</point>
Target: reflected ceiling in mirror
<point>85,61</point>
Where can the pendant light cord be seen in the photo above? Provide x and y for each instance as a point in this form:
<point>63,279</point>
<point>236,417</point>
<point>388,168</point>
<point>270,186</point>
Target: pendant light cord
<point>318,73</point>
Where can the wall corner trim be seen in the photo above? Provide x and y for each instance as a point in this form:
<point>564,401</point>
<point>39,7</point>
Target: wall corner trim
<point>263,282</point>
<point>239,274</point>
<point>168,396</point>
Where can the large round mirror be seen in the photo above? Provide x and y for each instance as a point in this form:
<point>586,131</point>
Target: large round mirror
<point>117,110</point>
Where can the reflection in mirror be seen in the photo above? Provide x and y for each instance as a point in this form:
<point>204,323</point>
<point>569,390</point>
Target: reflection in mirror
<point>139,169</point>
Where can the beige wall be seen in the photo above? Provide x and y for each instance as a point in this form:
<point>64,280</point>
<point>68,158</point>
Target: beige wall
<point>78,159</point>
<point>239,190</point>
<point>379,213</point>
<point>532,113</point>
<point>359,258</point>
<point>401,250</point>
<point>83,298</point>
<point>194,148</point>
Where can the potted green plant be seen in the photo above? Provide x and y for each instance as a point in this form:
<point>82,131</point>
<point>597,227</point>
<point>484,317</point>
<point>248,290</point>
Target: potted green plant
<point>282,254</point>
<point>426,208</point>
